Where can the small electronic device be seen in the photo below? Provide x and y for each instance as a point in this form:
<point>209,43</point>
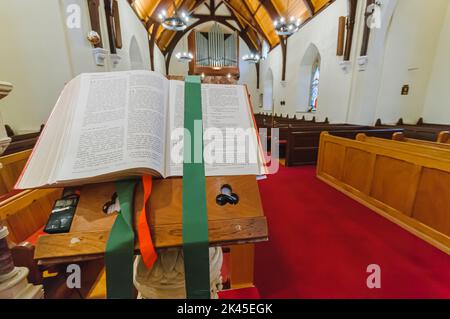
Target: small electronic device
<point>62,215</point>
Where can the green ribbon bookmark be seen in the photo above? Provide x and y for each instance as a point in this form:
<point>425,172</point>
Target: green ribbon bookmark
<point>195,216</point>
<point>120,247</point>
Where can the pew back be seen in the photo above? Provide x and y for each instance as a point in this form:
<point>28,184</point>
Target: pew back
<point>419,132</point>
<point>400,137</point>
<point>303,144</point>
<point>432,150</point>
<point>11,167</point>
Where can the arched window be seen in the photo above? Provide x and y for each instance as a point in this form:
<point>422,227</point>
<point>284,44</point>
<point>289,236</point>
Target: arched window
<point>268,91</point>
<point>136,62</point>
<point>308,80</point>
<point>314,89</point>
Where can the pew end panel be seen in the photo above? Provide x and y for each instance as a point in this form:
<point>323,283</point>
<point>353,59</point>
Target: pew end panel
<point>11,167</point>
<point>372,174</point>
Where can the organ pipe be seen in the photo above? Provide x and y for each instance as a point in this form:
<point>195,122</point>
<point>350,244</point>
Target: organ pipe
<point>216,49</point>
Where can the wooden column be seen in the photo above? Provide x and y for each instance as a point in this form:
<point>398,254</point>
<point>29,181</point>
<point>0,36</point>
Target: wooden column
<point>284,42</point>
<point>341,36</point>
<point>110,25</point>
<point>151,44</point>
<point>352,4</point>
<point>94,16</point>
<point>366,35</point>
<point>257,74</point>
<point>117,28</point>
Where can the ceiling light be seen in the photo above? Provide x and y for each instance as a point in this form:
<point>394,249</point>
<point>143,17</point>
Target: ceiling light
<point>184,56</point>
<point>252,58</point>
<point>175,22</point>
<point>287,27</point>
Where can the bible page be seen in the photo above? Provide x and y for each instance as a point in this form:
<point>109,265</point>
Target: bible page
<point>230,138</point>
<point>118,125</point>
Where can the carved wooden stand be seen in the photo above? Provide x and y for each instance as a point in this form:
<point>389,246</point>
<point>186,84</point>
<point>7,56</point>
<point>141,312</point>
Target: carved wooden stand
<point>13,280</point>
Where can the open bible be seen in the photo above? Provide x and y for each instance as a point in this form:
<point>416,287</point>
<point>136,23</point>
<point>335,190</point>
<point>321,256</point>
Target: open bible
<point>110,126</point>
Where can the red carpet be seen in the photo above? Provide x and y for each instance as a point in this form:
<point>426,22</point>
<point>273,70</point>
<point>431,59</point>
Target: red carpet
<point>321,243</point>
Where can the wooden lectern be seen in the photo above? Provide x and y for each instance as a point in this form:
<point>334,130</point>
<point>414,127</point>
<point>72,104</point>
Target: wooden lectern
<point>235,226</point>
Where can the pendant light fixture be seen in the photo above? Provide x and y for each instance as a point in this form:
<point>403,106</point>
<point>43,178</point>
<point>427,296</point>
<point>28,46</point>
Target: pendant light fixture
<point>287,26</point>
<point>175,22</point>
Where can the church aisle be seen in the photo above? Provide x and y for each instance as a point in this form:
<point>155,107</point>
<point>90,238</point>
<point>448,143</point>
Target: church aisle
<point>321,243</point>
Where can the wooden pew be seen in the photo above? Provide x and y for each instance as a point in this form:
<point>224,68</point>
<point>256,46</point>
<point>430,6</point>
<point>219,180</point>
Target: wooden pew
<point>420,132</point>
<point>11,167</point>
<point>442,127</point>
<point>407,147</point>
<point>283,132</point>
<point>25,214</point>
<point>410,187</point>
<point>400,137</point>
<point>270,121</point>
<point>303,143</point>
<point>21,143</point>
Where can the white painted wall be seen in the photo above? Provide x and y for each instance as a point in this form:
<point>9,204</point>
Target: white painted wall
<point>410,48</point>
<point>40,54</point>
<point>437,103</point>
<point>248,76</point>
<point>33,57</point>
<point>334,84</point>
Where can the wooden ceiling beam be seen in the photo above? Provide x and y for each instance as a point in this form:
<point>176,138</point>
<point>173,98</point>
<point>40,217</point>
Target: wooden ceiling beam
<point>151,43</point>
<point>261,31</point>
<point>310,6</point>
<point>163,4</point>
<point>256,27</point>
<point>244,33</point>
<point>236,12</point>
<point>270,8</point>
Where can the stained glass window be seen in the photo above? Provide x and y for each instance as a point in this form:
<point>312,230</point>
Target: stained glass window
<point>314,90</point>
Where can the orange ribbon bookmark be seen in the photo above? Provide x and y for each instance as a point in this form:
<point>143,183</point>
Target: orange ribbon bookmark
<point>148,252</point>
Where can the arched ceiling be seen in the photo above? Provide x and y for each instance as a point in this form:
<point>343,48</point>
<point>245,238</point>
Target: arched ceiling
<point>253,19</point>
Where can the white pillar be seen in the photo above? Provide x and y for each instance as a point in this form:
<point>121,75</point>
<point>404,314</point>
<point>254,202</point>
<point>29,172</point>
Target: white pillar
<point>13,280</point>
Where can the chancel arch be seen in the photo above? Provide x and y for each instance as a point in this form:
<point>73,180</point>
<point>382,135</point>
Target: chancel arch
<point>309,80</point>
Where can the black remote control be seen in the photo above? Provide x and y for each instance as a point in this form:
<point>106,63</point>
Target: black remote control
<point>61,216</point>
